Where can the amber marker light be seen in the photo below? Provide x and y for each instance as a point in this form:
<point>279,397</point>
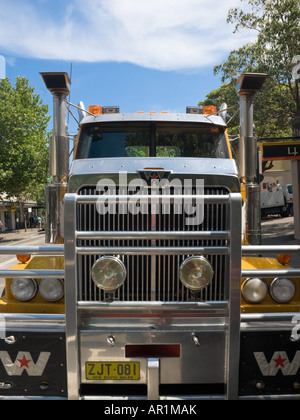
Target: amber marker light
<point>283,259</point>
<point>96,109</point>
<point>209,109</point>
<point>23,258</point>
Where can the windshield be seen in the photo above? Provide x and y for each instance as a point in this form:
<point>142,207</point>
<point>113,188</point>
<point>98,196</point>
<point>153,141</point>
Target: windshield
<point>142,139</point>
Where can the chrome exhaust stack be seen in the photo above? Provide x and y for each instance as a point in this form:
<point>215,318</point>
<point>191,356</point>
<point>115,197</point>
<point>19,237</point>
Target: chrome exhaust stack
<point>247,86</point>
<point>58,84</point>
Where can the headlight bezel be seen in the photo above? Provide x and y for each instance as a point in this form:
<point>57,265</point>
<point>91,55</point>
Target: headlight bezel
<point>47,295</point>
<point>98,270</point>
<point>17,287</point>
<point>276,283</point>
<point>260,287</point>
<point>187,267</point>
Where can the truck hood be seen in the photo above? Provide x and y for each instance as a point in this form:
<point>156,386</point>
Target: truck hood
<point>214,172</point>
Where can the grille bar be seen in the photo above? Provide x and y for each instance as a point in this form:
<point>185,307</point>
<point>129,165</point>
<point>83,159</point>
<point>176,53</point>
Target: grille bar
<point>153,250</point>
<point>153,235</point>
<point>123,199</point>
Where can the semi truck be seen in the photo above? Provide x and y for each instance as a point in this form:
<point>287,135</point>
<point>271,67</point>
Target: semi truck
<point>152,283</point>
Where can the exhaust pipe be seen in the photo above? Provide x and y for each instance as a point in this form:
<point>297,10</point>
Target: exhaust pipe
<point>58,84</point>
<point>247,86</point>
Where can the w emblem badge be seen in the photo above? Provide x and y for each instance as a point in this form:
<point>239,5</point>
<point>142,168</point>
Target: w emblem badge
<point>279,361</point>
<point>24,362</point>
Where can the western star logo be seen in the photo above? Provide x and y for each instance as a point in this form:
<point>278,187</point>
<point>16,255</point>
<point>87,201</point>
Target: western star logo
<point>151,177</point>
<point>279,362</point>
<point>24,362</point>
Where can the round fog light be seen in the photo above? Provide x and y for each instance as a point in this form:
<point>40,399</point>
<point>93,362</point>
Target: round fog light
<point>109,273</point>
<point>23,289</point>
<point>282,290</point>
<point>196,273</point>
<point>51,290</point>
<point>254,290</point>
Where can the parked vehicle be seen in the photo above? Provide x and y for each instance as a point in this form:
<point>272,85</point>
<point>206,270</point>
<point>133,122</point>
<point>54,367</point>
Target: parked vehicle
<point>277,199</point>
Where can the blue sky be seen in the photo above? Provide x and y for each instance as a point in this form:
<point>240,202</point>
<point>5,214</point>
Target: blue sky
<point>150,55</point>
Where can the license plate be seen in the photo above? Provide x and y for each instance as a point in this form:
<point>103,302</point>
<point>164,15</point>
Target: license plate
<point>112,371</point>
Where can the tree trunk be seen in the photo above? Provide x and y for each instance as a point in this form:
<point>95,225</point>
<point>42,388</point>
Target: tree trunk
<point>22,208</point>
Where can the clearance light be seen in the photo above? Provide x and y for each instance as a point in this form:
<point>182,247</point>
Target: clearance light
<point>282,290</point>
<point>254,290</point>
<point>196,273</point>
<point>210,109</point>
<point>284,259</point>
<point>96,109</point>
<point>23,258</point>
<point>109,273</point>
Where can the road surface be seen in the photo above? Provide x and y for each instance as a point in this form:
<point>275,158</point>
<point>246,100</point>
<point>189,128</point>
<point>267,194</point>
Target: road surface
<point>280,231</point>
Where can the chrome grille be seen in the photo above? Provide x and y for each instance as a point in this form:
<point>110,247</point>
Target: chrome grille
<point>152,277</point>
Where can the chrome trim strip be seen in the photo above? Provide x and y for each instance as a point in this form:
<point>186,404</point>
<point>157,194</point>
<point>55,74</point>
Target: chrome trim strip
<point>160,235</point>
<point>34,322</point>
<point>72,344</point>
<point>152,251</point>
<point>272,273</point>
<point>233,333</point>
<point>36,274</point>
<point>266,249</point>
<point>33,250</point>
<point>268,322</point>
<point>154,198</point>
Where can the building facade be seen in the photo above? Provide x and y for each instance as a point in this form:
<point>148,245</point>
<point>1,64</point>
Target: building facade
<point>13,219</point>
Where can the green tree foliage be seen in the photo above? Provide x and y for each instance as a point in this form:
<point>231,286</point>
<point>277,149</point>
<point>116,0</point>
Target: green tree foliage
<point>23,141</point>
<point>277,25</point>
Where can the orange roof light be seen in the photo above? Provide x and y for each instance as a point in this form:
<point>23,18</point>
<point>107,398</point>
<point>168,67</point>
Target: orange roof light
<point>95,109</point>
<point>210,109</point>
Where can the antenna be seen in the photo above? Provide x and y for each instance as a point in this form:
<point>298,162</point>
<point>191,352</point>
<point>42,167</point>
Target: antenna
<point>69,99</point>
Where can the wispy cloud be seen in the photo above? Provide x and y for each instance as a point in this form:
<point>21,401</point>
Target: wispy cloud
<point>159,34</point>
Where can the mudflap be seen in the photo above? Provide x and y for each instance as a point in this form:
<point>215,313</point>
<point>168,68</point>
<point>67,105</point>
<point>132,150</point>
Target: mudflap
<point>269,364</point>
<point>33,364</point>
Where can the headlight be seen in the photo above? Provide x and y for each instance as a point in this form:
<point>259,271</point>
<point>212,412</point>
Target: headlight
<point>51,290</point>
<point>109,273</point>
<point>196,273</point>
<point>23,289</point>
<point>282,290</point>
<point>254,290</point>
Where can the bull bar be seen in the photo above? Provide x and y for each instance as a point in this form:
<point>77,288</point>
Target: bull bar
<point>69,250</point>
